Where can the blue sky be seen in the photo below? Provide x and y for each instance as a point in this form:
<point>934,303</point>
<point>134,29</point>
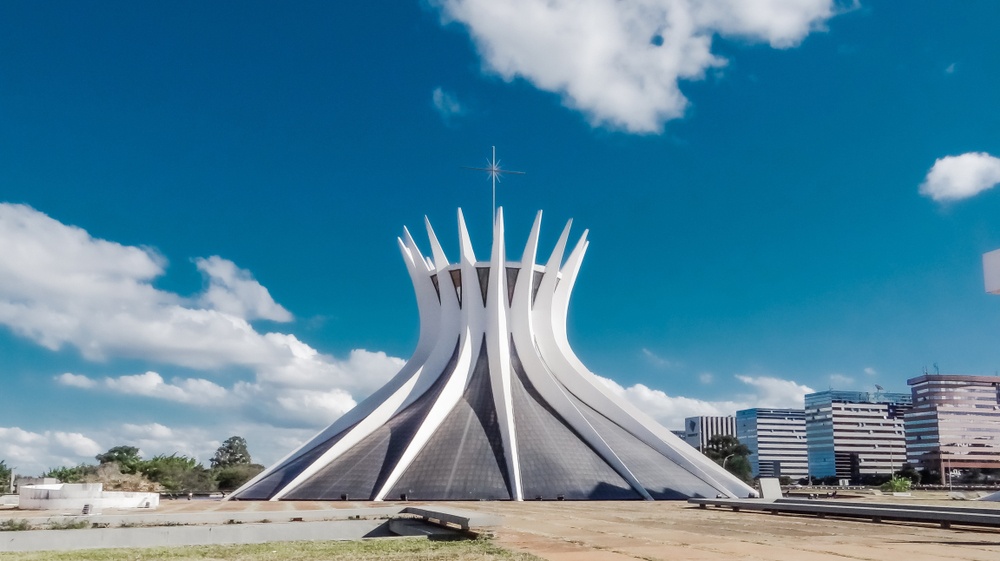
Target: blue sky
<point>199,203</point>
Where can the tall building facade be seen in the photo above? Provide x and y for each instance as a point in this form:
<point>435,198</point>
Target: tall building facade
<point>851,434</point>
<point>493,403</point>
<point>699,430</point>
<point>954,423</point>
<point>776,439</point>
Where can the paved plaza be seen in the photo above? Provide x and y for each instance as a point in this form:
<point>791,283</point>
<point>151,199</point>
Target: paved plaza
<point>617,531</point>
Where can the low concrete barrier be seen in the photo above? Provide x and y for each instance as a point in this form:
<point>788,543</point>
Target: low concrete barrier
<point>943,516</point>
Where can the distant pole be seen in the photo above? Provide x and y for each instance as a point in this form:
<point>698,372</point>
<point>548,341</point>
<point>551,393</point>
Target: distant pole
<point>493,168</point>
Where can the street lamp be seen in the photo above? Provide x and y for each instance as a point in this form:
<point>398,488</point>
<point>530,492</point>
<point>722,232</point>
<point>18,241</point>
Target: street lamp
<point>724,460</point>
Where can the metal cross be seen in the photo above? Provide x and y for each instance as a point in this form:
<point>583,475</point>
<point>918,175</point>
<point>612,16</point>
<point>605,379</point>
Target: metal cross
<point>493,168</point>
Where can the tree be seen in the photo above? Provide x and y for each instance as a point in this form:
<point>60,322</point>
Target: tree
<point>74,474</point>
<point>233,477</point>
<point>171,472</point>
<point>5,475</point>
<point>729,453</point>
<point>233,452</point>
<point>127,458</point>
<point>909,472</point>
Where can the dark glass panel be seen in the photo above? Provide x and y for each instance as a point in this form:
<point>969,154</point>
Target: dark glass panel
<point>456,281</point>
<point>511,282</point>
<point>484,281</point>
<point>464,459</point>
<point>360,471</point>
<point>554,459</point>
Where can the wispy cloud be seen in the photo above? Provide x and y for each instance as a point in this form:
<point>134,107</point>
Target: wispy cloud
<point>841,382</point>
<point>870,371</point>
<point>950,69</point>
<point>706,378</point>
<point>656,360</point>
<point>620,62</point>
<point>446,104</point>
<point>954,178</point>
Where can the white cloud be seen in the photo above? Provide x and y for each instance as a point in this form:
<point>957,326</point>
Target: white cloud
<point>620,62</point>
<point>234,291</point>
<point>954,178</point>
<point>32,453</point>
<point>950,69</point>
<point>840,381</point>
<point>706,377</point>
<point>775,392</point>
<point>655,359</point>
<point>75,381</point>
<point>446,104</point>
<point>670,410</point>
<point>190,390</point>
<point>61,287</point>
<point>870,371</point>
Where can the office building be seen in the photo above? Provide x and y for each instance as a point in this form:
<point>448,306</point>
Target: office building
<point>852,434</point>
<point>699,430</point>
<point>954,423</point>
<point>776,439</point>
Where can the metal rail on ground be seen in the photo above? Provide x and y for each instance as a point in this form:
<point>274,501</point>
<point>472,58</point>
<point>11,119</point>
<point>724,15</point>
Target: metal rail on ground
<point>941,515</point>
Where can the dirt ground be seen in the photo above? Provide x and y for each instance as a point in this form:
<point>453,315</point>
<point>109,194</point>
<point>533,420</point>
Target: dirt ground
<point>590,531</point>
<point>614,531</point>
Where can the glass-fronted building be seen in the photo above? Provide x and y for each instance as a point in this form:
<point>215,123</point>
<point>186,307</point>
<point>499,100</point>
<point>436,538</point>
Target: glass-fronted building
<point>850,434</point>
<point>954,423</point>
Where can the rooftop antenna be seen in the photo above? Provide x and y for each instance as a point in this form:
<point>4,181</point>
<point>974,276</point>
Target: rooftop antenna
<point>936,371</point>
<point>493,168</point>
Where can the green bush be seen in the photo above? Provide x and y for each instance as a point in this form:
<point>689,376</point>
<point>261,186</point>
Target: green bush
<point>897,485</point>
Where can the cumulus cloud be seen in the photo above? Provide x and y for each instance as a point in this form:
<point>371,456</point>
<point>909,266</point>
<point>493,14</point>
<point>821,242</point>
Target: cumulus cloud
<point>234,291</point>
<point>61,287</point>
<point>446,104</point>
<point>764,391</point>
<point>620,62</point>
<point>75,381</point>
<point>954,178</point>
<point>312,392</point>
<point>195,391</point>
<point>775,392</point>
<point>34,452</point>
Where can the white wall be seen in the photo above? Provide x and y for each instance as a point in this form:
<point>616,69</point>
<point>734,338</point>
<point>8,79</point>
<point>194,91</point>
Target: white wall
<point>73,496</point>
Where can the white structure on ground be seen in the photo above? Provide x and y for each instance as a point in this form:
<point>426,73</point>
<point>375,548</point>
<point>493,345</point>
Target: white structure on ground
<point>493,404</point>
<point>991,271</point>
<point>75,496</point>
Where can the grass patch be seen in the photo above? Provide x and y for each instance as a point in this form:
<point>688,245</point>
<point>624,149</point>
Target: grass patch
<point>69,525</point>
<point>398,549</point>
<point>12,525</point>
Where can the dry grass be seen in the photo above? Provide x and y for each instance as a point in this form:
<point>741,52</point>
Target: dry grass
<point>396,549</point>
